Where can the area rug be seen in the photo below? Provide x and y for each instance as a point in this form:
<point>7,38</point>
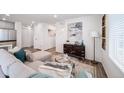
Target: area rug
<point>79,65</point>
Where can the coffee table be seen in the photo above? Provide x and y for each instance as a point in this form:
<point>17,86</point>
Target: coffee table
<point>62,58</point>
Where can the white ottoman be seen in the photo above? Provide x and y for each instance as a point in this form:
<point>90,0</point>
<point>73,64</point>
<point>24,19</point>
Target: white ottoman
<point>40,56</point>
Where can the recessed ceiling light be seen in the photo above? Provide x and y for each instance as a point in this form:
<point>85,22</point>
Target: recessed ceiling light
<point>55,16</point>
<point>7,14</point>
<point>3,18</point>
<point>33,22</point>
<point>29,27</point>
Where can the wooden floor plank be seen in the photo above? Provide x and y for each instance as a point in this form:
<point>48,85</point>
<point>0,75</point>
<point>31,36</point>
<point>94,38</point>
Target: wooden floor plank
<point>99,70</point>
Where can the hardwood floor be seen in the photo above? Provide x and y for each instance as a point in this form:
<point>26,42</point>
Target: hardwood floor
<point>99,70</point>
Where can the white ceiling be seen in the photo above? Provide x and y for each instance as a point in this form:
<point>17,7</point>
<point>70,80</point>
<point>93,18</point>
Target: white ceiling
<point>46,18</point>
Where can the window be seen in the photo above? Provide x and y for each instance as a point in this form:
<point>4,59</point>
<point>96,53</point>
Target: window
<point>116,39</point>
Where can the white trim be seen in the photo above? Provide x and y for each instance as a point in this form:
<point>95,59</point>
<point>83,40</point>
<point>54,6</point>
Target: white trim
<point>9,46</point>
<point>121,68</point>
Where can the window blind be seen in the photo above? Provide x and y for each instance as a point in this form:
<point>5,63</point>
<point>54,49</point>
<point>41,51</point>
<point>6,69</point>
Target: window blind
<point>116,39</point>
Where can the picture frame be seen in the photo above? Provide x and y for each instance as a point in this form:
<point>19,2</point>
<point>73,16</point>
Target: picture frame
<point>75,31</point>
<point>104,32</point>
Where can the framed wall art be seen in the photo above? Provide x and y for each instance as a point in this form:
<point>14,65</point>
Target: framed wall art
<point>75,32</point>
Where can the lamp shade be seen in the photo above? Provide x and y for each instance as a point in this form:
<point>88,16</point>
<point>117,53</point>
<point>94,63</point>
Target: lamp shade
<point>94,34</point>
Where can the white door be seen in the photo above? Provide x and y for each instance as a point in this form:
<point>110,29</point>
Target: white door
<point>38,36</point>
<point>27,37</point>
<point>45,42</point>
<point>61,37</point>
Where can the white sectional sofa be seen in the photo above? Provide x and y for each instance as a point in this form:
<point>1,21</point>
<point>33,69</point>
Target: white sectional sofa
<point>13,67</point>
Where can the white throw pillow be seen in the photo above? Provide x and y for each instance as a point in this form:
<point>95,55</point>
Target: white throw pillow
<point>28,55</point>
<point>14,50</point>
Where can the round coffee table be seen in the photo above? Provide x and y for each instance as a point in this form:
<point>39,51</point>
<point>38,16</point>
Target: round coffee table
<point>61,59</point>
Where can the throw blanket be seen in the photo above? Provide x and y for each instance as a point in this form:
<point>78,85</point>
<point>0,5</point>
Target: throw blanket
<point>39,75</point>
<point>82,74</point>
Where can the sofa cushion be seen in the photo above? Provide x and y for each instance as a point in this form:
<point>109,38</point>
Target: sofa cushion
<point>13,67</point>
<point>1,73</point>
<point>21,55</point>
<point>19,70</point>
<point>6,59</point>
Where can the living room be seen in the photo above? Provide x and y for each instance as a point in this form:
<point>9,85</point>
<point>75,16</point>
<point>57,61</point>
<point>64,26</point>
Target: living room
<point>65,46</point>
<point>71,37</point>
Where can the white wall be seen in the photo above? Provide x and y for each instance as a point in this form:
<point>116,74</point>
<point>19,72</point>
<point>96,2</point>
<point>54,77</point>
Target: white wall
<point>90,23</point>
<point>61,36</point>
<point>42,39</point>
<point>51,37</point>
<point>24,35</point>
<point>18,28</point>
<point>27,36</point>
<point>111,69</point>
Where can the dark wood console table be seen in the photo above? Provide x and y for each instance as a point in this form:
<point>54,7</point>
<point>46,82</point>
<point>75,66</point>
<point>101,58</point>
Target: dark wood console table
<point>77,51</point>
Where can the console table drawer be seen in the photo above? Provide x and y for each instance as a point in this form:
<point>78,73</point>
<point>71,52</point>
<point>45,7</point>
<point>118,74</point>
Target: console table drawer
<point>75,50</point>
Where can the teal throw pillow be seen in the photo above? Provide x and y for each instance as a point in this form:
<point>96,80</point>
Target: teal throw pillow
<point>21,55</point>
